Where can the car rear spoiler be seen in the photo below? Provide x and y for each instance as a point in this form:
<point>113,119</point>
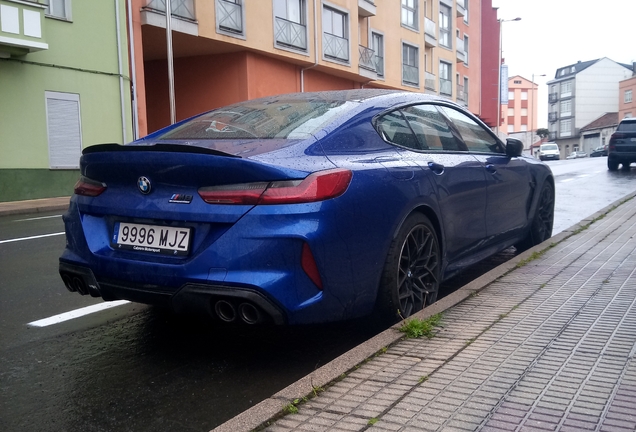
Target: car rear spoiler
<point>168,147</point>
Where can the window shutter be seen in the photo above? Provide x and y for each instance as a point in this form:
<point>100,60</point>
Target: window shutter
<point>64,130</point>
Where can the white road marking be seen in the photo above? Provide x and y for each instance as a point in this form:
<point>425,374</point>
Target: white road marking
<point>56,319</point>
<point>37,218</point>
<point>566,180</point>
<point>31,238</point>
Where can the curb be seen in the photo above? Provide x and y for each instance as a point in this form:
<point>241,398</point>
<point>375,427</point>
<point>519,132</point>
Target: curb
<point>34,206</point>
<point>272,408</point>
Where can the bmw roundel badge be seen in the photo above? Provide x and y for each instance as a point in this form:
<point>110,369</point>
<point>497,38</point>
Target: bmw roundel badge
<point>143,183</point>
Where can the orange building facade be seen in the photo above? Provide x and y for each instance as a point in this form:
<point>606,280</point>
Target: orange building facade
<point>225,51</point>
<point>626,98</point>
<point>520,113</point>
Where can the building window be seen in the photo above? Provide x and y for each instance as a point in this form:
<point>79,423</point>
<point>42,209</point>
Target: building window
<point>524,128</point>
<point>377,44</point>
<point>511,128</point>
<point>410,65</point>
<point>445,83</point>
<point>409,14</point>
<point>524,112</point>
<point>59,9</point>
<point>64,130</point>
<point>566,89</point>
<point>335,35</point>
<point>229,17</point>
<point>566,108</point>
<point>290,29</point>
<point>511,95</point>
<point>566,128</point>
<point>517,81</point>
<point>466,49</point>
<point>628,96</point>
<point>445,26</point>
<point>511,112</point>
<point>466,13</point>
<point>524,95</point>
<point>466,86</point>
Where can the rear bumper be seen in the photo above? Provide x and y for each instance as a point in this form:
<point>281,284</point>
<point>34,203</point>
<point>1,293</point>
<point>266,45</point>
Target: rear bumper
<point>226,303</point>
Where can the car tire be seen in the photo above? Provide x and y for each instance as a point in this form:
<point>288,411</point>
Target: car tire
<point>612,165</point>
<point>411,275</point>
<point>542,222</point>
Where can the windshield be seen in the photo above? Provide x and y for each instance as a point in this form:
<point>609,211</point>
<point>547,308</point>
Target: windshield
<point>545,147</point>
<point>262,119</point>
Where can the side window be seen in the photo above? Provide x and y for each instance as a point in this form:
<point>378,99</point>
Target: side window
<point>394,128</point>
<point>431,129</point>
<point>476,137</point>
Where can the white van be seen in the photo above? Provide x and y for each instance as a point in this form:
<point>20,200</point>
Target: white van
<point>549,151</point>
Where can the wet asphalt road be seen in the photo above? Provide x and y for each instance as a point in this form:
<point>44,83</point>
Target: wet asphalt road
<point>137,368</point>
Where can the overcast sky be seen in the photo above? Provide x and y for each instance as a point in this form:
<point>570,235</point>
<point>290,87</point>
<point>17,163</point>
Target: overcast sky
<point>557,33</point>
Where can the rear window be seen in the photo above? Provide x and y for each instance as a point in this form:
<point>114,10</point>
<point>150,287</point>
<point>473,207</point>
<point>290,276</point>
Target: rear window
<point>545,147</point>
<point>627,126</point>
<point>262,119</point>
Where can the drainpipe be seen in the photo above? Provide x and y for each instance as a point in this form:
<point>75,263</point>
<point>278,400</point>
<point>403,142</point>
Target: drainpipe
<point>302,71</point>
<point>135,113</point>
<point>121,76</point>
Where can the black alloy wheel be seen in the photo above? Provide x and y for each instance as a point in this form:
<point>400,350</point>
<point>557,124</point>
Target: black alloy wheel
<point>543,220</point>
<point>412,270</point>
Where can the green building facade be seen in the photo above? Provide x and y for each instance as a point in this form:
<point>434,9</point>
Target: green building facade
<point>64,85</point>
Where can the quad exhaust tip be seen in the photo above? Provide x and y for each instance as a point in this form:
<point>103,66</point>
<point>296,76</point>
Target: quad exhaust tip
<point>246,312</point>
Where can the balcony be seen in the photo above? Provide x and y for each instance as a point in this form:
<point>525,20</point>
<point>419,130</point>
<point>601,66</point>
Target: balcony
<point>553,117</point>
<point>229,16</point>
<point>335,47</point>
<point>553,97</point>
<point>445,87</point>
<point>430,33</point>
<point>460,54</point>
<point>410,75</point>
<point>366,62</point>
<point>183,15</point>
<point>461,8</point>
<point>366,8</point>
<point>290,34</point>
<point>21,29</point>
<point>429,82</point>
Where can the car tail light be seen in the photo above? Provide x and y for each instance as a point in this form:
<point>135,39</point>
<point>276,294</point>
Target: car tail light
<point>318,186</point>
<point>309,266</point>
<point>89,187</point>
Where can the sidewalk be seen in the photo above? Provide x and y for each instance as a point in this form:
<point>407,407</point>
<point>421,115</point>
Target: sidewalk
<point>547,341</point>
<point>34,206</point>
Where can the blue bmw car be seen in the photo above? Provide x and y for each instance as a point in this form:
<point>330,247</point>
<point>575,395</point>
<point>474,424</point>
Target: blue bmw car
<point>302,208</point>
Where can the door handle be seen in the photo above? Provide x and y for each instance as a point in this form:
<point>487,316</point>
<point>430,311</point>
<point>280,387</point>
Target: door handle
<point>436,168</point>
<point>491,168</point>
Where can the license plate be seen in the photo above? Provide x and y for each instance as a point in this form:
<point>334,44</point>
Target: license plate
<point>151,238</point>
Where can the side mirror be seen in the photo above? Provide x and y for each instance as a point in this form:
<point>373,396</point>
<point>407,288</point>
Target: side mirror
<point>514,147</point>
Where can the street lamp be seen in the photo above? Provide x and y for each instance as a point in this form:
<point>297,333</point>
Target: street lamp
<point>532,116</point>
<point>501,21</point>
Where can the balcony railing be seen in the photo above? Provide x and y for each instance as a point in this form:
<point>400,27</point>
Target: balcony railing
<point>379,65</point>
<point>290,33</point>
<point>553,97</point>
<point>21,29</point>
<point>461,8</point>
<point>460,54</point>
<point>552,117</point>
<point>230,16</point>
<point>429,81</point>
<point>335,47</point>
<point>430,32</point>
<point>445,87</point>
<point>180,8</point>
<point>367,58</point>
<point>410,74</point>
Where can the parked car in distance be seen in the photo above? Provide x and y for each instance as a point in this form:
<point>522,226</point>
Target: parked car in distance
<point>302,208</point>
<point>549,151</point>
<point>622,145</point>
<point>599,151</point>
<point>576,155</point>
